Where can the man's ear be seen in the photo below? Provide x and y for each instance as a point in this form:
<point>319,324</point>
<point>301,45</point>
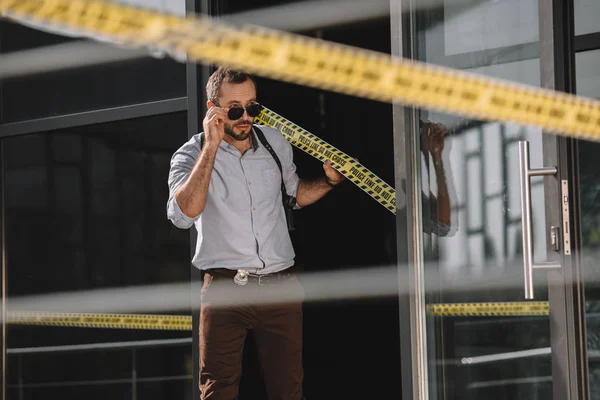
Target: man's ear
<point>210,104</point>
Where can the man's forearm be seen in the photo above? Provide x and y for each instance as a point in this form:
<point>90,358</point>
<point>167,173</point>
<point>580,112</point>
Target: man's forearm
<point>443,198</point>
<point>311,191</point>
<point>191,197</point>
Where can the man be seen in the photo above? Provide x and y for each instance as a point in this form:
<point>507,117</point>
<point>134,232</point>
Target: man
<point>227,183</point>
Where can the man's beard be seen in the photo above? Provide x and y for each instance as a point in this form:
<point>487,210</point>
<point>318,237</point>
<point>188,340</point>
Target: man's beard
<point>229,129</point>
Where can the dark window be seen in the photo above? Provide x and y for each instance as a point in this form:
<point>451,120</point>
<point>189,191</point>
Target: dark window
<point>86,210</point>
<point>82,89</point>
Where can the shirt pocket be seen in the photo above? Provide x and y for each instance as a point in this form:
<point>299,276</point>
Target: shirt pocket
<point>271,184</point>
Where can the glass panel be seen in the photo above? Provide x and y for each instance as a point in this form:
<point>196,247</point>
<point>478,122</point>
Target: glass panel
<point>236,6</point>
<point>86,211</point>
<point>588,84</point>
<point>176,7</point>
<point>487,25</point>
<point>586,16</point>
<point>472,213</point>
<point>82,89</point>
<point>588,74</point>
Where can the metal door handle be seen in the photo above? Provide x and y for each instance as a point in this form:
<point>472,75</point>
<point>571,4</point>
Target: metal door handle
<point>525,174</point>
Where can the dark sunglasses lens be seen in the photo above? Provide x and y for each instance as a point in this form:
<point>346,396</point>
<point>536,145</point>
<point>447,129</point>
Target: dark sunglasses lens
<point>254,110</point>
<point>235,113</point>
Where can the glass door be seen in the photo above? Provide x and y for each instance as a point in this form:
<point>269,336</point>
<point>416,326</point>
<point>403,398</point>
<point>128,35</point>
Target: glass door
<point>491,209</point>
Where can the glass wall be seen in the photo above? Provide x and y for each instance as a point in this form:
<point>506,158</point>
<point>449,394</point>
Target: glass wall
<point>471,202</point>
<point>85,212</point>
<point>588,84</point>
<point>85,207</point>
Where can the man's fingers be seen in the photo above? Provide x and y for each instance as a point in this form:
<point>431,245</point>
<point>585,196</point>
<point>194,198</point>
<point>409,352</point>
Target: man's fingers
<point>216,111</point>
<point>216,118</point>
<point>213,119</point>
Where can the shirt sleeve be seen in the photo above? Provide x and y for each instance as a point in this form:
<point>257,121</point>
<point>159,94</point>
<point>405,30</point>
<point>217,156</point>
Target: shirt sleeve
<point>182,163</point>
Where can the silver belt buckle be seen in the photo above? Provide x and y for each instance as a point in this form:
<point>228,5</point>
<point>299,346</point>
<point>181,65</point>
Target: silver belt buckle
<point>241,278</point>
<point>260,280</point>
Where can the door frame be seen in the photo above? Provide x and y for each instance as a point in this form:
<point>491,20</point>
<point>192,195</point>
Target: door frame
<point>565,286</point>
<point>413,349</point>
<point>566,295</point>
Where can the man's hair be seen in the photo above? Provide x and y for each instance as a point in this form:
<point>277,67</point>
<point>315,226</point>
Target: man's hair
<point>224,74</point>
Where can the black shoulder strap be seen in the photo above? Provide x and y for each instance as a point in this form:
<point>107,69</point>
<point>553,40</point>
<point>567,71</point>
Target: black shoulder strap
<point>201,140</point>
<point>288,201</point>
<point>264,141</point>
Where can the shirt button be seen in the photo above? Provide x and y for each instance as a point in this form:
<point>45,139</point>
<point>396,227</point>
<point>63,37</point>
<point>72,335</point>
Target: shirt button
<point>257,234</point>
<point>249,183</point>
<point>254,209</point>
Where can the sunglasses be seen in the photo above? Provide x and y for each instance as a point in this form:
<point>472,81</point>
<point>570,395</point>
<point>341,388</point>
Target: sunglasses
<point>236,112</point>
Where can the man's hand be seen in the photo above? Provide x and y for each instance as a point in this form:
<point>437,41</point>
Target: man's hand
<point>214,125</point>
<point>310,191</point>
<point>192,193</point>
<point>432,138</point>
<point>332,174</point>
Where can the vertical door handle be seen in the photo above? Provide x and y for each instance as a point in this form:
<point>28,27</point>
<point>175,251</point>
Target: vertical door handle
<point>527,236</point>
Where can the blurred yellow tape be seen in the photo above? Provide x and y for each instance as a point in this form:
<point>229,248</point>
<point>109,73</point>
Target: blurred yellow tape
<point>370,183</point>
<point>489,309</point>
<point>184,322</point>
<point>118,321</point>
<point>315,63</point>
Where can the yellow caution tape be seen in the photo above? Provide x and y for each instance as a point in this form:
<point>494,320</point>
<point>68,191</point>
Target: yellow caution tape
<point>122,321</point>
<point>489,309</point>
<point>184,322</point>
<point>315,63</point>
<point>370,183</point>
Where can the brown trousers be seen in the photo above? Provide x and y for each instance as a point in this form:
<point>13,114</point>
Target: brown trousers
<point>227,312</point>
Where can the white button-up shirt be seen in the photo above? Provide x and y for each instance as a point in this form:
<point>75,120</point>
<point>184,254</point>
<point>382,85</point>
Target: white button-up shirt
<point>243,225</point>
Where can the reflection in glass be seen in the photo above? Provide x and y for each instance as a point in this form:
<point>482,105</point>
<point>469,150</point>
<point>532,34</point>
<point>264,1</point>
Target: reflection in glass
<point>586,16</point>
<point>588,84</point>
<point>482,357</point>
<point>82,89</point>
<point>489,24</point>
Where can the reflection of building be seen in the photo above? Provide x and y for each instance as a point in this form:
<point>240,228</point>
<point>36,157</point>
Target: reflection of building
<point>487,198</point>
<point>84,158</point>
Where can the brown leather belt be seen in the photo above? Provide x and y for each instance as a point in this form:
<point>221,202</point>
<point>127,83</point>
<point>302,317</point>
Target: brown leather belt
<point>276,277</point>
